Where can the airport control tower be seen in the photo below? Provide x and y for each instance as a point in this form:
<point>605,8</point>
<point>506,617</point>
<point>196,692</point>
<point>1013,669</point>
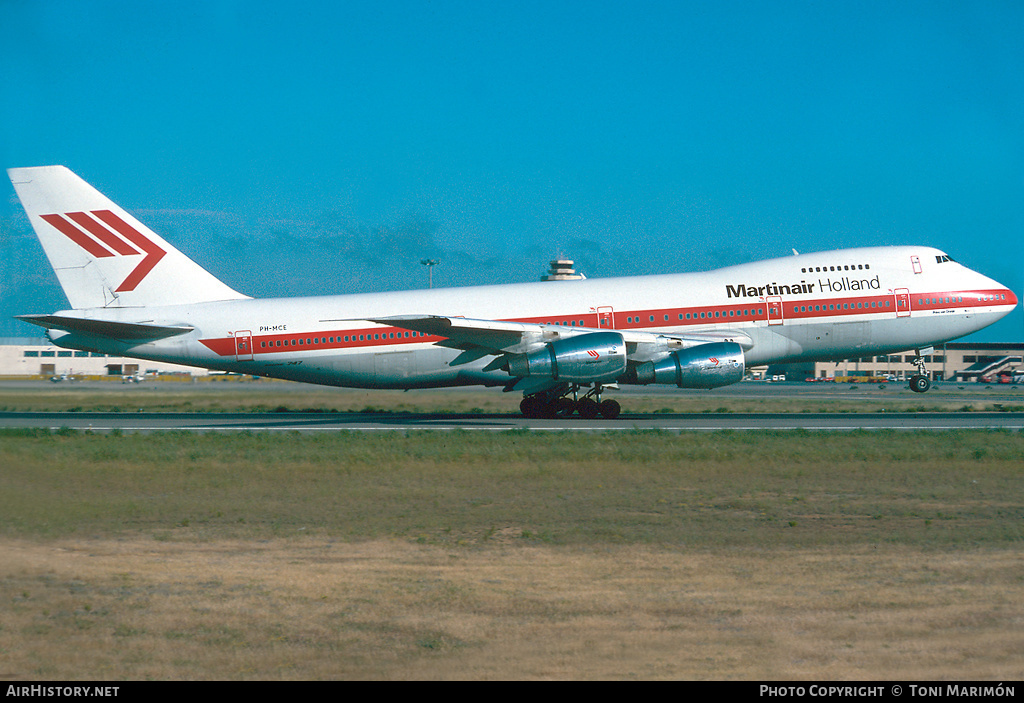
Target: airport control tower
<point>561,270</point>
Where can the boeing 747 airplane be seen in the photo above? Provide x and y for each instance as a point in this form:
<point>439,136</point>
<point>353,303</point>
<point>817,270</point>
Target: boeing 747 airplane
<point>560,344</point>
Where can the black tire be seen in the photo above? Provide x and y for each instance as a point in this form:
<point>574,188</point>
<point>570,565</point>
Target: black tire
<point>610,409</point>
<point>920,384</point>
<point>532,407</point>
<point>588,408</point>
<point>565,407</point>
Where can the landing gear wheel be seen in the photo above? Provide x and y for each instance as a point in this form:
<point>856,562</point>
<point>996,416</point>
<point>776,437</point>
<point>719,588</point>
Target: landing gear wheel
<point>564,407</point>
<point>610,409</point>
<point>532,407</point>
<point>919,383</point>
<point>588,408</point>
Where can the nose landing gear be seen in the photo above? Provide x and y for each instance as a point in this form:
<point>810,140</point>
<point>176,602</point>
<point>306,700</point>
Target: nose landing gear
<point>919,382</point>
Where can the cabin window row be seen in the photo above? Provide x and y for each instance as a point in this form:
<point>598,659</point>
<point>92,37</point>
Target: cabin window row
<point>939,301</point>
<point>837,306</point>
<point>826,269</point>
<point>703,316</point>
<point>339,339</point>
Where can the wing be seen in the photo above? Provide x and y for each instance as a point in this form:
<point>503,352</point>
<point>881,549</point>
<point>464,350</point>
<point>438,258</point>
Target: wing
<point>480,338</point>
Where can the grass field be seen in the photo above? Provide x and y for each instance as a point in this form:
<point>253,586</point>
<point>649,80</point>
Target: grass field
<point>269,396</point>
<point>778,555</point>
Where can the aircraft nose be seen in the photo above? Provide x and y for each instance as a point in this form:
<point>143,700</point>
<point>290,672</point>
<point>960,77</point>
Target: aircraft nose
<point>1004,296</point>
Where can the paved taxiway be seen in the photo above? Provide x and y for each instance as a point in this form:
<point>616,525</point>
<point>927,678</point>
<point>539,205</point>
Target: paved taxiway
<point>320,422</point>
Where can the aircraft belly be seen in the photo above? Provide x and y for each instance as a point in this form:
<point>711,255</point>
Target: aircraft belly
<point>395,368</point>
<point>769,344</point>
<point>921,330</point>
<point>849,337</point>
<point>422,368</point>
<point>836,340</point>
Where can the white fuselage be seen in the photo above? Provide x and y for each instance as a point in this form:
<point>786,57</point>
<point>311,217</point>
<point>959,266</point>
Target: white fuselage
<point>828,305</point>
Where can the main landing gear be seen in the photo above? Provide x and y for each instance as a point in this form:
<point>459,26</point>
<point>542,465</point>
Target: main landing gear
<point>919,382</point>
<point>556,403</point>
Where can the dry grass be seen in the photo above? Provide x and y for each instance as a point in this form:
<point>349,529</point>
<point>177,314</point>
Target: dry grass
<point>518,555</point>
<point>389,609</point>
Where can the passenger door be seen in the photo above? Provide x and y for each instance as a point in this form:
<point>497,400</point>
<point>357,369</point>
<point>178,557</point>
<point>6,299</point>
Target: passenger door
<point>243,345</point>
<point>605,318</point>
<point>774,303</point>
<point>902,296</point>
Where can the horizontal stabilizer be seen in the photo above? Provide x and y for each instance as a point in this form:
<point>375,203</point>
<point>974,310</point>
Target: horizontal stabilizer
<point>127,331</point>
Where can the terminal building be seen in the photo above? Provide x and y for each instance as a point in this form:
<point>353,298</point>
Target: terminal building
<point>25,357</point>
<point>961,362</point>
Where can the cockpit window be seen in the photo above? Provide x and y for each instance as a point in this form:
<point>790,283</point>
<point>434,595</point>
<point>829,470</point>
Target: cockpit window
<point>941,259</point>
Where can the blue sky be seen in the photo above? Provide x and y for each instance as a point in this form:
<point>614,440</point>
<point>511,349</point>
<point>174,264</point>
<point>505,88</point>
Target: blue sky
<point>320,148</point>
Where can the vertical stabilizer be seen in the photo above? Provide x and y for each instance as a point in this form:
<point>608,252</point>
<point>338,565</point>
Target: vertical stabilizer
<point>104,257</point>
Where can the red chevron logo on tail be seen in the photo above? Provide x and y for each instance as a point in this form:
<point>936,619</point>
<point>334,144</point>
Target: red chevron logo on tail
<point>103,234</point>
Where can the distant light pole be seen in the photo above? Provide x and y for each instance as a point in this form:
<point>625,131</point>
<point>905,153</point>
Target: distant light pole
<point>430,264</point>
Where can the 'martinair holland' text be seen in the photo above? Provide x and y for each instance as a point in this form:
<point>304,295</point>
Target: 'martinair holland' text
<point>837,285</point>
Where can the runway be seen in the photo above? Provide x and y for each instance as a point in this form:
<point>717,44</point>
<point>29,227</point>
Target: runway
<point>377,422</point>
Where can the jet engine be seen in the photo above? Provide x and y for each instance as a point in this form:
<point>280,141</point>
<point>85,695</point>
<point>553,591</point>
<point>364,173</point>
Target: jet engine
<point>597,357</point>
<point>703,366</point>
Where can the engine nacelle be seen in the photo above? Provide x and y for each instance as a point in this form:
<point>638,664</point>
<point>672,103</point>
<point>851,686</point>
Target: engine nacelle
<point>597,357</point>
<point>703,366</point>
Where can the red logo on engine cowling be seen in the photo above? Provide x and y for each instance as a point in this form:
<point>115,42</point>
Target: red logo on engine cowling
<point>714,360</point>
<point>593,353</point>
<point>103,234</point>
